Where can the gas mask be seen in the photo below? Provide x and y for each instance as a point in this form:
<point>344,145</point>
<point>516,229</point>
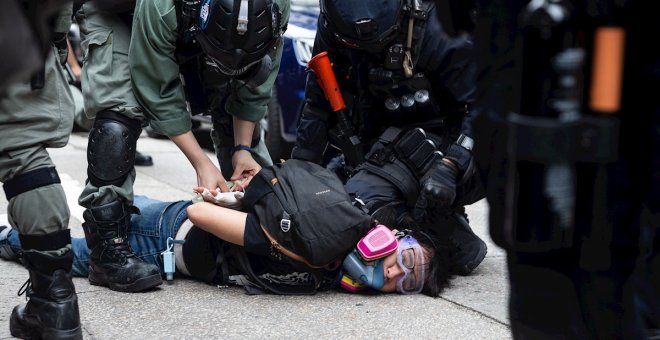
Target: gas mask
<point>364,266</point>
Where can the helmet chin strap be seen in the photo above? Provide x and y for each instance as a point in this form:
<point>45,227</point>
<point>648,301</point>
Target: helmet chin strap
<point>252,75</point>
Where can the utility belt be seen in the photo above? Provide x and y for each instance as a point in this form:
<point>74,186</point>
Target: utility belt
<point>402,157</point>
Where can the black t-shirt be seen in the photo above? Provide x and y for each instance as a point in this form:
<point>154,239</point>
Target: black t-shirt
<point>254,239</point>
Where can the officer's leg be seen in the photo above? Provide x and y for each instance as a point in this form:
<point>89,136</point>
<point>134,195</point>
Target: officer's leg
<point>108,194</point>
<point>30,180</point>
<point>110,155</point>
<point>32,118</point>
<point>543,301</point>
<point>10,250</point>
<point>643,303</point>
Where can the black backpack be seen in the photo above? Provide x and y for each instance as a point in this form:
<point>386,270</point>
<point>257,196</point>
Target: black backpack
<point>306,213</point>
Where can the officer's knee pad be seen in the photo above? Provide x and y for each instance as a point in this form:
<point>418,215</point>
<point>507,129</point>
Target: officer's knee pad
<point>111,148</point>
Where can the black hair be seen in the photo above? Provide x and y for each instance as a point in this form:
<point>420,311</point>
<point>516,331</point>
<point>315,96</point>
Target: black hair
<point>441,251</point>
<point>438,270</point>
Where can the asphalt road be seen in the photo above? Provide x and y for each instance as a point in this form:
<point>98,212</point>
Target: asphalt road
<point>473,307</point>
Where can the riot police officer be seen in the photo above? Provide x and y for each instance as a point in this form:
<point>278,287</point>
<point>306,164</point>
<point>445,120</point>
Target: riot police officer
<point>569,136</point>
<point>35,114</point>
<point>217,57</point>
<point>407,87</point>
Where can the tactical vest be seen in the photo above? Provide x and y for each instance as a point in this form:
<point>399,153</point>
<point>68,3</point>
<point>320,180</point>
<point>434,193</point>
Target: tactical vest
<point>393,97</point>
<point>389,79</point>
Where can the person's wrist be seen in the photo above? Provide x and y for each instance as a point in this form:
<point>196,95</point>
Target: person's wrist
<point>240,147</point>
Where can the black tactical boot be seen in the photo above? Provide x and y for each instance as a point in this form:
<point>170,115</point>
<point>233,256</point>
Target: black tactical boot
<point>471,249</point>
<point>112,262</point>
<point>52,308</point>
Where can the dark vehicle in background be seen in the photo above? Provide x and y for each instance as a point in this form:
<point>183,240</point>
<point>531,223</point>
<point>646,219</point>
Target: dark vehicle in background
<point>281,120</point>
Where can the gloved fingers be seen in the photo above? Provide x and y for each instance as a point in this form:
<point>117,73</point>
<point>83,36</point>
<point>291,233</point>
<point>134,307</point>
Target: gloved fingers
<point>442,196</point>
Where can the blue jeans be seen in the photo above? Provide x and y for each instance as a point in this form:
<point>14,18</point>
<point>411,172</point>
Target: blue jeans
<point>150,229</point>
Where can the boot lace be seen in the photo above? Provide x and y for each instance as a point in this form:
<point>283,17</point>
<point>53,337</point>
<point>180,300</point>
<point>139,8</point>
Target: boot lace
<point>25,288</point>
<point>118,248</point>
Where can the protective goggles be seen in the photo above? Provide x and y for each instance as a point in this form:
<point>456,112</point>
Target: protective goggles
<point>410,257</point>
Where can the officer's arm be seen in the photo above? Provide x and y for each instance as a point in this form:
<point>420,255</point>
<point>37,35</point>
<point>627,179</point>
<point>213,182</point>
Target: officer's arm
<point>154,70</point>
<point>460,79</point>
<point>453,65</point>
<point>312,133</point>
<point>157,86</point>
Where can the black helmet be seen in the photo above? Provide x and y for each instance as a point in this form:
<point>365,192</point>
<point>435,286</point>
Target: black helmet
<point>237,34</point>
<point>363,24</point>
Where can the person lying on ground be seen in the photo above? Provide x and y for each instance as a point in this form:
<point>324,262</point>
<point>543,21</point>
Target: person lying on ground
<point>216,237</point>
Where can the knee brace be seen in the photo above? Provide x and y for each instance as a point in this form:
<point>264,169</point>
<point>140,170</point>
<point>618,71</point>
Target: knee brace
<point>111,148</point>
<point>29,181</point>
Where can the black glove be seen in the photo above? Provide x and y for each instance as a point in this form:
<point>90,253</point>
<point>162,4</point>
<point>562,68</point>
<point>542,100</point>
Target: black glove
<point>437,186</point>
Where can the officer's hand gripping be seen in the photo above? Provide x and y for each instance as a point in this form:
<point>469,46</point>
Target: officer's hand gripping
<point>245,168</point>
<point>438,185</point>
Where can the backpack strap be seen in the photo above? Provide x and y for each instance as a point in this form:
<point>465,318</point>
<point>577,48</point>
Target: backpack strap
<point>295,256</point>
<point>258,188</point>
<point>263,184</point>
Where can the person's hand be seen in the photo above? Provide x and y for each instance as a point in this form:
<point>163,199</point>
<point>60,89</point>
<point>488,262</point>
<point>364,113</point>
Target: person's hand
<point>209,176</point>
<point>231,200</point>
<point>438,185</point>
<point>245,167</point>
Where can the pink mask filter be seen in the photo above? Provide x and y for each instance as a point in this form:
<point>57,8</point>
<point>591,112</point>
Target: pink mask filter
<point>378,243</point>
